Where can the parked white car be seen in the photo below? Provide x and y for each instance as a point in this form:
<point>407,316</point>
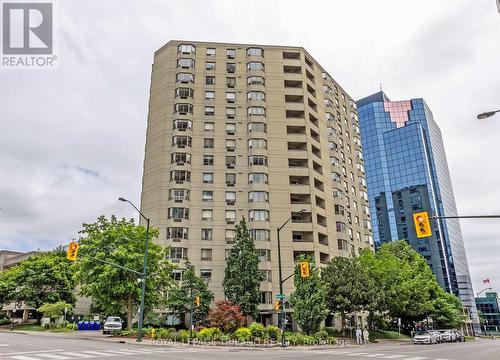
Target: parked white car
<point>112,324</point>
<point>425,337</point>
<point>448,335</point>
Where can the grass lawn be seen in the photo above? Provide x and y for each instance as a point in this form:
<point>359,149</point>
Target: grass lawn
<point>388,334</point>
<point>33,327</point>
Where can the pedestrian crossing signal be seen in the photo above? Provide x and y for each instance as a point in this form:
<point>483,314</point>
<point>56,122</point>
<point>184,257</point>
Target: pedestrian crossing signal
<point>304,269</point>
<point>72,251</point>
<point>197,301</point>
<point>422,224</point>
<point>277,305</point>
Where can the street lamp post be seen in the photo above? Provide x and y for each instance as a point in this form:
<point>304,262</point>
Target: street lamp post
<point>487,114</point>
<point>144,272</point>
<point>282,312</point>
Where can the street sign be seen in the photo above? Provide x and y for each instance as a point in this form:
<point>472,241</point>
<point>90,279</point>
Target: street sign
<point>280,296</point>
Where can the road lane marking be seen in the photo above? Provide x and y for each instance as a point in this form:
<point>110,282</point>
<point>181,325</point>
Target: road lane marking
<point>22,357</point>
<point>416,358</point>
<point>356,354</point>
<point>54,356</point>
<point>394,356</point>
<point>78,355</point>
<point>375,355</point>
<point>31,352</point>
<point>98,353</point>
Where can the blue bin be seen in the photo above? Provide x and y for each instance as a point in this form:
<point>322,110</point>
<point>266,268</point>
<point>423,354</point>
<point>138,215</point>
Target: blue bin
<point>97,325</point>
<point>86,325</point>
<point>80,325</point>
<point>92,325</point>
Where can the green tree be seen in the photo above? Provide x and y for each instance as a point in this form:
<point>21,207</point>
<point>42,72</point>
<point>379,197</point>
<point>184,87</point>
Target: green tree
<point>117,291</point>
<point>308,299</point>
<point>448,311</point>
<point>7,287</point>
<point>180,299</point>
<point>56,310</point>
<point>43,278</point>
<point>349,287</point>
<point>242,276</point>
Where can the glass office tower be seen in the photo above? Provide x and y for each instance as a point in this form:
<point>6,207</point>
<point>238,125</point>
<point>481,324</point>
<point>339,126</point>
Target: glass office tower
<point>407,172</point>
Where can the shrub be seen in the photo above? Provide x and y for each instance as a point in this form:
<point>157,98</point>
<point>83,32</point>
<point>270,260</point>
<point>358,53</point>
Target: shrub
<point>243,334</point>
<point>273,332</point>
<point>225,337</point>
<point>226,316</point>
<point>72,327</point>
<point>332,332</point>
<point>4,321</point>
<point>208,334</point>
<point>258,330</point>
<point>183,336</point>
<point>321,335</point>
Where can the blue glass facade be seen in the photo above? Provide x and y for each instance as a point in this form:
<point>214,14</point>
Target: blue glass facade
<point>407,172</point>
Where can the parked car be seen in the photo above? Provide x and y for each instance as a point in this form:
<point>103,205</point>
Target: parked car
<point>112,324</point>
<point>460,337</point>
<point>425,337</point>
<point>439,338</point>
<point>448,335</point>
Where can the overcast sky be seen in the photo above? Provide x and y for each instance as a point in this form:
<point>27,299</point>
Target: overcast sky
<point>72,138</point>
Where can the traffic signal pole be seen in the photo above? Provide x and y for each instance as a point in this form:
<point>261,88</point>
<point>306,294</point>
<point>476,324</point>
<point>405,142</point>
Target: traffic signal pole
<point>467,217</point>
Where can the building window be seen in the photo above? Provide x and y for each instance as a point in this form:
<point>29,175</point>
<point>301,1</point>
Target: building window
<point>177,233</point>
<point>208,126</point>
<point>260,234</point>
<point>206,234</point>
<point>258,215</point>
<point>178,194</point>
<point>266,275</point>
<point>230,112</point>
<point>180,158</point>
<point>230,234</point>
<point>231,53</point>
<point>230,128</point>
<point>210,95</point>
<point>210,66</point>
<point>264,255</point>
<point>185,63</point>
<point>230,216</point>
<point>185,78</point>
<point>230,97</point>
<point>257,178</point>
<point>256,95</point>
<point>342,244</point>
<point>209,110</point>
<point>186,49</point>
<point>255,65</point>
<point>230,162</point>
<point>208,143</point>
<point>211,52</point>
<point>253,51</point>
<point>257,144</point>
<point>207,214</point>
<point>178,213</point>
<point>208,178</point>
<point>206,275</point>
<point>207,196</point>
<point>184,93</point>
<point>231,82</point>
<point>257,127</point>
<point>256,111</point>
<point>230,179</point>
<point>209,80</point>
<point>182,124</point>
<point>178,253</point>
<point>181,141</point>
<point>180,176</point>
<point>208,160</point>
<point>230,197</point>
<point>255,80</point>
<point>206,254</point>
<point>256,196</point>
<point>257,160</point>
<point>231,67</point>
<point>183,109</point>
<point>230,145</point>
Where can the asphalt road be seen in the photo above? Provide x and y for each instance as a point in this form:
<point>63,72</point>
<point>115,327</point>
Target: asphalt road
<point>46,347</point>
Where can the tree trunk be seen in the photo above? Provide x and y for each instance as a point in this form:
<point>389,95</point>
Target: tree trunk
<point>129,313</point>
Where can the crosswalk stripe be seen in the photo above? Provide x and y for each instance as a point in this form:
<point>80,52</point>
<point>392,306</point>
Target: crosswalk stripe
<point>416,358</point>
<point>125,352</point>
<point>356,354</point>
<point>78,355</point>
<point>97,353</point>
<point>23,357</point>
<point>375,355</point>
<point>393,356</point>
<point>54,356</point>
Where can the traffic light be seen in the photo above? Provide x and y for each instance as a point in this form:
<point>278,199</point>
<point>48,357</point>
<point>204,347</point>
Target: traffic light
<point>277,305</point>
<point>422,224</point>
<point>72,251</point>
<point>197,301</point>
<point>304,269</point>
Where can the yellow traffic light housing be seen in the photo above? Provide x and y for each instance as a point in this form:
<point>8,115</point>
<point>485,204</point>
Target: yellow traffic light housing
<point>197,301</point>
<point>304,269</point>
<point>277,305</point>
<point>422,224</point>
<point>72,251</point>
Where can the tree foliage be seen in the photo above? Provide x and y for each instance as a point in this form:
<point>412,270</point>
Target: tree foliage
<point>56,310</point>
<point>242,276</point>
<point>308,299</point>
<point>43,278</point>
<point>117,291</point>
<point>180,298</point>
<point>226,316</point>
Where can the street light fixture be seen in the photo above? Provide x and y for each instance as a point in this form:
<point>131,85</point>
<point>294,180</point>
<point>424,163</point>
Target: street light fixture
<point>282,313</point>
<point>144,272</point>
<point>487,114</point>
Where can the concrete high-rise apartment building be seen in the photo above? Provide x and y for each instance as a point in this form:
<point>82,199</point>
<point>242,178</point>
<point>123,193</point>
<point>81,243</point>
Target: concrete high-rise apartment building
<point>407,172</point>
<point>259,132</point>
